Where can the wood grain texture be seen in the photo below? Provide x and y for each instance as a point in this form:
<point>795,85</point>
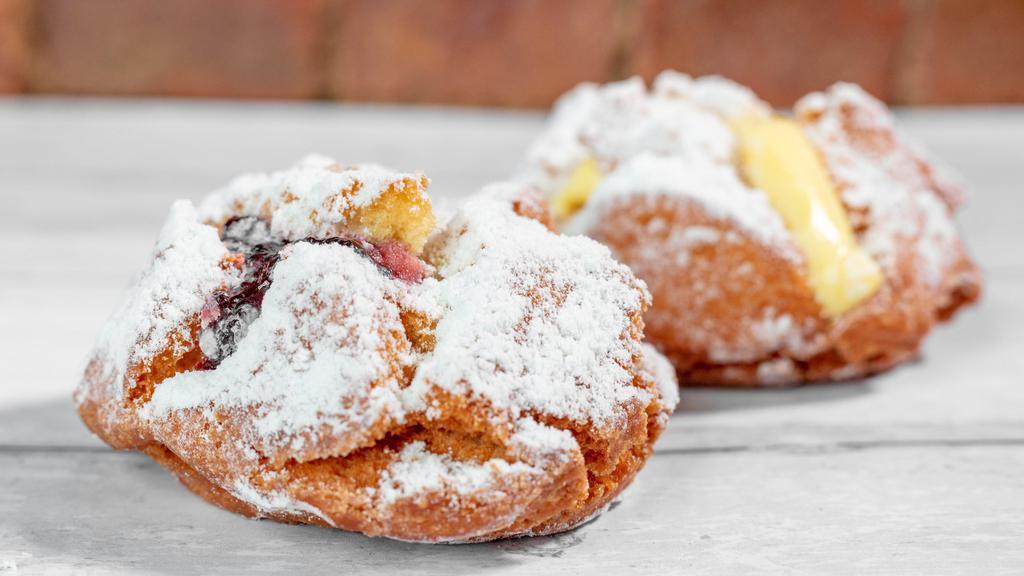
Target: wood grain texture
<point>934,509</point>
<point>916,471</point>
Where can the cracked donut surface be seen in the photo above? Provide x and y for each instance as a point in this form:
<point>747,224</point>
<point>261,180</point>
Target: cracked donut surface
<point>778,250</point>
<point>309,346</point>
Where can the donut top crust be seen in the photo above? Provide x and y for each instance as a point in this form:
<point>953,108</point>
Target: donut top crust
<point>671,141</point>
<point>616,121</point>
<point>315,360</point>
<point>518,324</point>
<point>538,312</point>
<point>315,198</point>
<point>538,332</point>
<point>674,140</point>
<point>184,267</point>
<point>903,197</point>
<point>715,186</point>
<point>717,94</point>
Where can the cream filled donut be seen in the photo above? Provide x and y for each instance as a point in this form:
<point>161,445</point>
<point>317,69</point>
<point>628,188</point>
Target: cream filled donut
<point>309,346</point>
<point>778,249</point>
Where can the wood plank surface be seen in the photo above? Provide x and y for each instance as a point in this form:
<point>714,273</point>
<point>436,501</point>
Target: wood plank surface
<point>916,471</point>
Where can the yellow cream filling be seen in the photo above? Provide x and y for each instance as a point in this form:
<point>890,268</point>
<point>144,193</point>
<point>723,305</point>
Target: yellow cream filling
<point>571,197</point>
<point>777,157</point>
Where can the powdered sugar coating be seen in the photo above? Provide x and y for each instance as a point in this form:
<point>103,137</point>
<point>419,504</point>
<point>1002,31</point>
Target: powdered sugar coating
<point>777,372</point>
<point>274,500</point>
<point>315,363</point>
<point>614,122</point>
<point>543,319</point>
<point>672,140</point>
<point>663,374</point>
<point>899,202</point>
<point>720,95</point>
<point>416,470</point>
<point>312,199</point>
<point>715,187</point>
<point>559,148</point>
<point>876,174</point>
<point>184,269</point>
<point>534,326</point>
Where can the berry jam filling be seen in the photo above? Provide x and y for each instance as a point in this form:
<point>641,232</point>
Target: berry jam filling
<point>226,316</point>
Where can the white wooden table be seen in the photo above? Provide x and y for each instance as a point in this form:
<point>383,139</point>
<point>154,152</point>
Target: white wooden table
<point>918,471</point>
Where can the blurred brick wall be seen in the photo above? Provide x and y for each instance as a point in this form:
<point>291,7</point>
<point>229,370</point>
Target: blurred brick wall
<point>508,52</point>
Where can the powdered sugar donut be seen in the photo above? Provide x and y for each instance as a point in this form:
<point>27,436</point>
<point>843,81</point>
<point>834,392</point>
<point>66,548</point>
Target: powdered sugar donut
<point>298,350</point>
<point>778,250</point>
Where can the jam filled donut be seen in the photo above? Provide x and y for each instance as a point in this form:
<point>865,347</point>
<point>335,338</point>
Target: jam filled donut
<point>298,350</point>
<point>778,250</point>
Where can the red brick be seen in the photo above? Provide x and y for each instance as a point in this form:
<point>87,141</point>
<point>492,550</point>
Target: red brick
<point>480,52</point>
<point>230,48</point>
<point>780,48</point>
<point>14,46</point>
<point>967,51</point>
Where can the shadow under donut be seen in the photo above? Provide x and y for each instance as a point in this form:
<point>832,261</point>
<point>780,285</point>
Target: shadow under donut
<point>702,400</point>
